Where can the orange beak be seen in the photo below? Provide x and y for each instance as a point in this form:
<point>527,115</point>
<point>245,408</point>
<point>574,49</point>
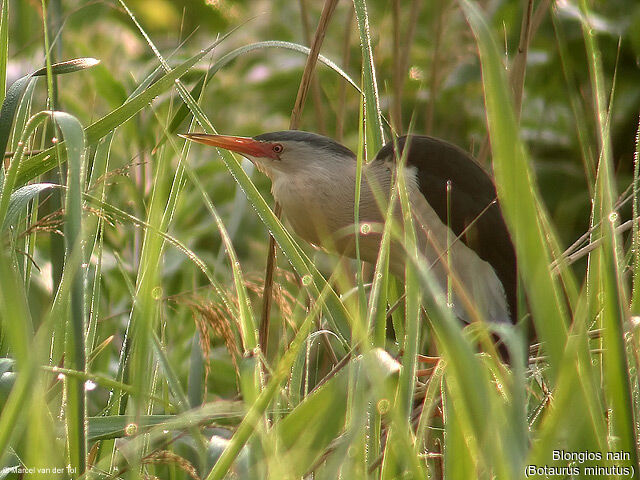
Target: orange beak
<point>241,145</point>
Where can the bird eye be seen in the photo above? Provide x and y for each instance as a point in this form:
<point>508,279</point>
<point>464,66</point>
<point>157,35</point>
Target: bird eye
<point>278,148</point>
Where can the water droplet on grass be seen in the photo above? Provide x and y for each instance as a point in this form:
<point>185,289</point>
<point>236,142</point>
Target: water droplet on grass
<point>131,429</point>
<point>383,406</point>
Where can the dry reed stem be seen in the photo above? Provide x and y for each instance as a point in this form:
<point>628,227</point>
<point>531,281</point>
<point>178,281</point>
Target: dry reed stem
<point>296,114</point>
<point>402,47</point>
<point>530,23</point>
<point>315,84</point>
<point>434,75</point>
<point>346,56</point>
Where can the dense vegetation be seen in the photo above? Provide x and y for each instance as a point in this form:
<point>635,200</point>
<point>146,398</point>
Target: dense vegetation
<point>132,268</point>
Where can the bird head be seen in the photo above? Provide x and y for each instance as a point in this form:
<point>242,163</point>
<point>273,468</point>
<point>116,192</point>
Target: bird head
<point>281,153</point>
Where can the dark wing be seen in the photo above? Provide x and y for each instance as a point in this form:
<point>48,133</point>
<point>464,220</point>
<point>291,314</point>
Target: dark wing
<point>475,214</point>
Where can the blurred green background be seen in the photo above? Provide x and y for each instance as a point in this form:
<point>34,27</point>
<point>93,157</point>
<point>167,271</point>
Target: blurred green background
<point>429,77</point>
<point>439,90</point>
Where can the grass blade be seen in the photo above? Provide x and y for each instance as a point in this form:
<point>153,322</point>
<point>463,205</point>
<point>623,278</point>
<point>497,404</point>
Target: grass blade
<point>15,165</point>
<point>635,292</point>
<point>17,89</point>
<point>45,161</point>
<point>519,197</point>
<point>4,47</point>
<point>75,357</point>
<point>20,199</point>
<point>611,298</point>
<point>196,91</point>
<point>373,118</point>
<point>13,305</point>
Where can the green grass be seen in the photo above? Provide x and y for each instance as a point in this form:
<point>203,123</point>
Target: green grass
<point>113,372</point>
